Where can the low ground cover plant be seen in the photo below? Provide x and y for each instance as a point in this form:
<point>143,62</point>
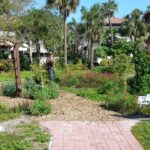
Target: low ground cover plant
<point>6,113</point>
<point>142,133</point>
<point>26,136</point>
<point>40,107</point>
<point>123,102</point>
<point>89,93</point>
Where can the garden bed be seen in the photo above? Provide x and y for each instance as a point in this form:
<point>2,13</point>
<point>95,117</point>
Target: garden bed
<point>23,134</point>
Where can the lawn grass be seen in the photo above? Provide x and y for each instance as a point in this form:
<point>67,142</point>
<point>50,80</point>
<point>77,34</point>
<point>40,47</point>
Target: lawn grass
<point>142,133</point>
<point>88,93</point>
<point>6,76</point>
<point>26,136</point>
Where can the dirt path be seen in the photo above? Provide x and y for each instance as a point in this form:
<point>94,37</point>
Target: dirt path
<point>69,107</point>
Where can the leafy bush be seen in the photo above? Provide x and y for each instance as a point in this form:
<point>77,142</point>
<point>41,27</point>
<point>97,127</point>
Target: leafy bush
<point>52,90</point>
<point>101,51</point>
<point>3,55</point>
<point>6,65</point>
<point>140,84</point>
<point>40,107</point>
<point>47,92</point>
<point>24,62</point>
<point>123,103</point>
<point>9,88</point>
<point>103,69</point>
<point>40,74</point>
<point>36,91</point>
<point>145,110</point>
<point>111,87</point>
<point>30,87</point>
<point>122,47</point>
<point>120,64</point>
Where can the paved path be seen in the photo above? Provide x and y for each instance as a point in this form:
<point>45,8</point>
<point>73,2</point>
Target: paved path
<point>76,135</point>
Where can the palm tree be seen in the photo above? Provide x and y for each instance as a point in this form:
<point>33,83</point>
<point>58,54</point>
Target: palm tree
<point>65,7</point>
<point>93,21</point>
<point>146,19</point>
<point>109,9</point>
<point>134,26</point>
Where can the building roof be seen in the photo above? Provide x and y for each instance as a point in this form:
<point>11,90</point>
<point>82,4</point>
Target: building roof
<point>115,20</point>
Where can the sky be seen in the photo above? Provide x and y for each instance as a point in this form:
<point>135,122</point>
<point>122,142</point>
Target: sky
<point>124,6</point>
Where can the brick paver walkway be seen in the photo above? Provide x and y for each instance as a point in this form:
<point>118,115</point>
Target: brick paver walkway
<point>76,135</point>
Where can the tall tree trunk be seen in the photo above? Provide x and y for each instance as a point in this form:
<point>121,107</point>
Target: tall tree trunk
<point>89,50</point>
<point>65,38</point>
<point>91,55</point>
<point>111,31</point>
<point>30,50</point>
<point>38,51</point>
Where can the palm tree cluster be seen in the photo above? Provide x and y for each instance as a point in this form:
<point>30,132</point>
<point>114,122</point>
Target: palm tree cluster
<point>91,28</point>
<point>137,26</point>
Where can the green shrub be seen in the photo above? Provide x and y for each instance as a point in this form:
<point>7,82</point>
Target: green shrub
<point>103,69</point>
<point>140,84</point>
<point>9,88</point>
<point>30,87</point>
<point>40,107</point>
<point>40,74</point>
<point>6,65</point>
<point>24,62</point>
<point>3,55</point>
<point>50,91</point>
<point>145,110</point>
<point>123,103</point>
<point>111,87</point>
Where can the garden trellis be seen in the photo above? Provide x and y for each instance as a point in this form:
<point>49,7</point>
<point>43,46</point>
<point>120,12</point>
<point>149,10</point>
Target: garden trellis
<point>16,62</point>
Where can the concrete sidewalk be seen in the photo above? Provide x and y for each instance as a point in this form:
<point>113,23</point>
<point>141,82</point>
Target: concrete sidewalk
<point>76,135</point>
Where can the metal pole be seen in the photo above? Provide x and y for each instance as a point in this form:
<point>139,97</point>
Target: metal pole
<point>16,59</point>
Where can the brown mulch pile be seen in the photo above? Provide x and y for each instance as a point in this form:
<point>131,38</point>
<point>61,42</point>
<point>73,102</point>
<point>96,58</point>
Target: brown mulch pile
<point>15,102</point>
<point>69,107</point>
